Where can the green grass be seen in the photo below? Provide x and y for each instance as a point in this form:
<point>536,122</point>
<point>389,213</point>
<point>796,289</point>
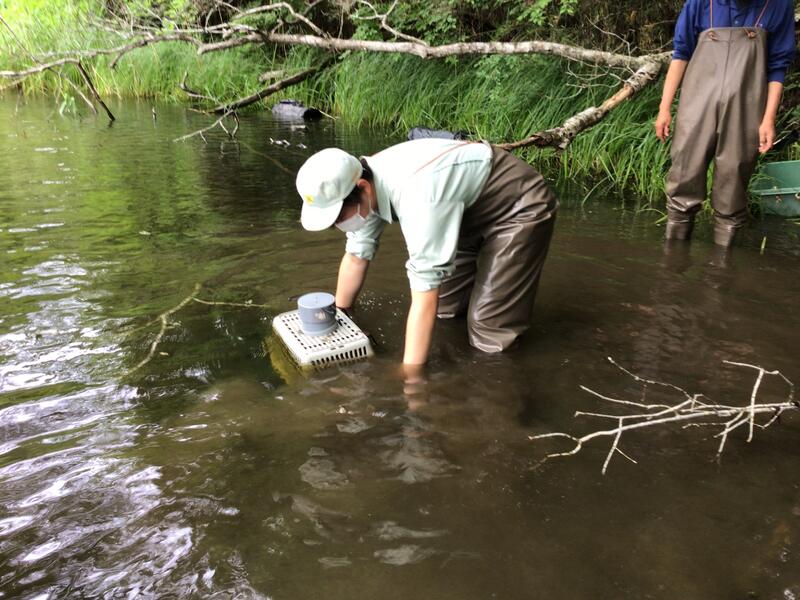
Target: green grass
<point>507,98</point>
<point>499,98</point>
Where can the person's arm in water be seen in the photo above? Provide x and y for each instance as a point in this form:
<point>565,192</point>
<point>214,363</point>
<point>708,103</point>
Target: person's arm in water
<point>766,131</point>
<point>419,327</point>
<point>352,272</point>
<point>671,84</point>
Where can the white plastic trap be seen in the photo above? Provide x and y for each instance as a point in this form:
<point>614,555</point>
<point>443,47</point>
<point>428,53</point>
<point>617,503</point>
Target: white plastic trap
<point>347,343</point>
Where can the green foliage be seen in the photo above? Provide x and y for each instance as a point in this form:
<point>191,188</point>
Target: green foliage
<point>537,10</point>
<point>444,21</point>
<point>502,98</point>
<point>499,98</point>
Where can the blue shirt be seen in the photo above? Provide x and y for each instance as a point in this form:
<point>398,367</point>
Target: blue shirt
<point>778,20</point>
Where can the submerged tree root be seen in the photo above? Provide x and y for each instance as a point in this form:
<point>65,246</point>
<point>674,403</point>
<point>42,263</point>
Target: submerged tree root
<point>696,410</point>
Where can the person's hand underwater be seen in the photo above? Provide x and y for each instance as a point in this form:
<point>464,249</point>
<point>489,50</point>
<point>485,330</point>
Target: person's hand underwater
<point>414,386</point>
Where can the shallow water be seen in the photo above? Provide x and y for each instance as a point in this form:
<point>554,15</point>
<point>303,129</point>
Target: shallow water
<point>217,470</point>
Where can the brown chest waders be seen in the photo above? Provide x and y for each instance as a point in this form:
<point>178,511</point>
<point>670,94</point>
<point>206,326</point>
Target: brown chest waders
<point>502,246</point>
<point>722,102</point>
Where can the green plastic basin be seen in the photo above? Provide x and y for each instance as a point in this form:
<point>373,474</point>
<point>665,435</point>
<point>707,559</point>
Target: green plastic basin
<point>778,187</point>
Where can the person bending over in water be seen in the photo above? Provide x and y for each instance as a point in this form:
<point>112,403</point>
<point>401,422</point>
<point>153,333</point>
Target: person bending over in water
<point>477,222</point>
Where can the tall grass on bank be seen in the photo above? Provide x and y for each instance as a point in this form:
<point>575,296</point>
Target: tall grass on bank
<point>50,29</point>
<point>499,98</point>
<point>503,98</point>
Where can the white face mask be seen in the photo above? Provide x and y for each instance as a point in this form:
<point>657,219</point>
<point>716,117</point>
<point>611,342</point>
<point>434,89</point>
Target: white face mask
<point>354,223</point>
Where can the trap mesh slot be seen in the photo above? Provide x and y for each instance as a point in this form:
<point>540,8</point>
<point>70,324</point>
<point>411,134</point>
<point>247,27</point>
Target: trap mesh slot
<point>345,344</point>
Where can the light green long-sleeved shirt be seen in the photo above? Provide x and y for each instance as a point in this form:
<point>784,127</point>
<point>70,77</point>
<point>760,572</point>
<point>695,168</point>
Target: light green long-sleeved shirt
<point>427,184</point>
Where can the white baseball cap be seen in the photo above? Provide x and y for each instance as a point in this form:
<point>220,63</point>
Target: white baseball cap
<point>323,182</point>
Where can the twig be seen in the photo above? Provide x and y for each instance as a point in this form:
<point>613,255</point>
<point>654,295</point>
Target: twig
<point>385,23</point>
<point>200,132</point>
<point>702,414</point>
<point>280,6</point>
<point>192,93</point>
<point>241,304</point>
<point>91,87</point>
<point>163,318</point>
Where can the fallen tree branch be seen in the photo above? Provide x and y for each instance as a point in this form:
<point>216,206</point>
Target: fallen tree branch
<point>272,88</point>
<point>279,6</point>
<point>560,137</point>
<point>61,76</point>
<point>88,81</point>
<point>38,68</point>
<point>424,51</point>
<point>693,411</point>
<point>645,69</point>
<point>119,51</point>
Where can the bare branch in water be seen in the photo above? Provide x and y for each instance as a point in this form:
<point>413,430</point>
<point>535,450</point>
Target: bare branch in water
<point>691,412</point>
<point>163,318</point>
<point>200,132</point>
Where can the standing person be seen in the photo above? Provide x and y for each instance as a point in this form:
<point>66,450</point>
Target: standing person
<point>735,54</point>
<point>476,220</point>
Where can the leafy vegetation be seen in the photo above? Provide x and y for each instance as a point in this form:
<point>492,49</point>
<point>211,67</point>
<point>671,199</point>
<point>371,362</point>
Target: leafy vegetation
<point>500,98</point>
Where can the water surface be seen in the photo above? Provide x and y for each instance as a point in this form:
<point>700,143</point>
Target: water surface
<point>217,470</point>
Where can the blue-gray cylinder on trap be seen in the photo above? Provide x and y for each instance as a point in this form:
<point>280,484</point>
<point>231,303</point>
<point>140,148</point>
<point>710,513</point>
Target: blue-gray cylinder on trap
<point>317,312</point>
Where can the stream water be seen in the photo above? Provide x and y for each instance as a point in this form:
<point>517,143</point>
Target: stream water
<point>217,470</point>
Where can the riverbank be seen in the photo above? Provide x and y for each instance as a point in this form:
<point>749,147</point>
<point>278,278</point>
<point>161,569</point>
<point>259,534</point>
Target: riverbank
<point>499,98</point>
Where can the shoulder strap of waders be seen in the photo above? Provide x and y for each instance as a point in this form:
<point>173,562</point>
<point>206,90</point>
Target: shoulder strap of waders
<point>442,154</point>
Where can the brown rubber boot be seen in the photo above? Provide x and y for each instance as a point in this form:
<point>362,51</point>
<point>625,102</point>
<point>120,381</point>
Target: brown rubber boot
<point>724,234</point>
<point>679,230</point>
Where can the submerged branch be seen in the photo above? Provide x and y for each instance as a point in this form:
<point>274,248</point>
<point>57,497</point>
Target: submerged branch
<point>163,318</point>
<point>164,321</point>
